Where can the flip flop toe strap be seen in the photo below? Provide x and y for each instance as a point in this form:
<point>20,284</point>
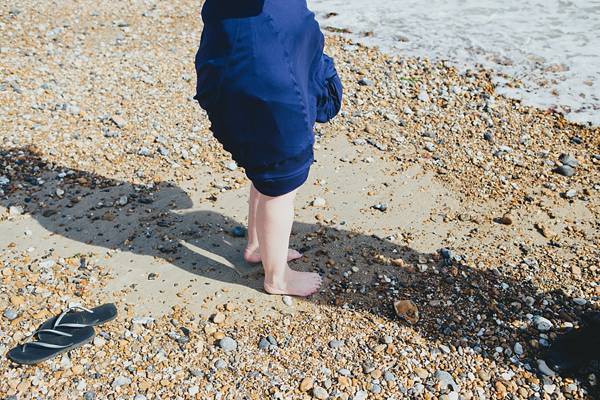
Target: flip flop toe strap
<point>71,325</point>
<point>44,344</point>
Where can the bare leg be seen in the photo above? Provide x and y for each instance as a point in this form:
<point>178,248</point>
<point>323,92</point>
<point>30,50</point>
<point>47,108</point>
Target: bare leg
<point>274,218</point>
<point>252,252</point>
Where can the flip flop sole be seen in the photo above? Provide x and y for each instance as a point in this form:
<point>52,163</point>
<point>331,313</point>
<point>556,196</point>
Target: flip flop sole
<point>32,353</point>
<point>101,314</point>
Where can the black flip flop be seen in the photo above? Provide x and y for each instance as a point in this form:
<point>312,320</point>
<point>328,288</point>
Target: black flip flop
<point>573,349</point>
<point>55,343</point>
<point>74,320</point>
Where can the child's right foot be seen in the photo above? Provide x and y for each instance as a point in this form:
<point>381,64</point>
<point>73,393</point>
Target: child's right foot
<point>295,283</point>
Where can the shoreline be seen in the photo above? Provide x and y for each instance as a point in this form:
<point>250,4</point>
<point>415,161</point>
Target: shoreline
<point>115,191</point>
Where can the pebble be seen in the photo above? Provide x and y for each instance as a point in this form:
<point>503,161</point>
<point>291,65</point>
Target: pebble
<point>569,160</point>
<point>507,219</point>
<point>320,393</point>
<point>228,344</point>
<point>306,384</point>
<point>518,349</point>
<point>430,147</point>
<point>565,170</point>
<point>544,369</point>
<point>446,381</point>
<point>287,300</point>
<point>120,381</point>
<point>423,96</point>
<point>421,373</point>
<point>239,231</point>
<point>360,395</point>
<point>319,202</point>
<point>334,344</point>
<point>571,193</point>
<point>542,324</point>
<point>10,314</point>
<point>220,364</point>
<point>264,344</point>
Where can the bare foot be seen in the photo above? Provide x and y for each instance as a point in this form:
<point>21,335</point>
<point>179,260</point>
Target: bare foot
<point>254,255</point>
<point>294,283</point>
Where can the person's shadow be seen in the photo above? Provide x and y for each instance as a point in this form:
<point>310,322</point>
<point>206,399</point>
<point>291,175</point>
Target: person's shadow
<point>481,309</point>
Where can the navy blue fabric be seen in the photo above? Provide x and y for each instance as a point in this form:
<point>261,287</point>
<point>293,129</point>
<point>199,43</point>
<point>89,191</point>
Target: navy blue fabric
<point>264,81</point>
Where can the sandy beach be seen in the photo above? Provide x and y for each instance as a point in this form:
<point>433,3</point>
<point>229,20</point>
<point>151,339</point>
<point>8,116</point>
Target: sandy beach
<point>427,187</point>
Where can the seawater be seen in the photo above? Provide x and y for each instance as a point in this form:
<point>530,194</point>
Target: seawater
<point>550,48</point>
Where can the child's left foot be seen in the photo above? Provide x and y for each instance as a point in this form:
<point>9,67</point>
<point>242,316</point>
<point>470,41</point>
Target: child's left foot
<point>253,256</point>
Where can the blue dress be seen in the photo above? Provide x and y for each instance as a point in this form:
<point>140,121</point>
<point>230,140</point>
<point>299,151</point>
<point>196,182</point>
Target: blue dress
<point>264,81</point>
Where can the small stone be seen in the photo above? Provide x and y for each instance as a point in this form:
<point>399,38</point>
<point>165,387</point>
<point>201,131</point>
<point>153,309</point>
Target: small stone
<point>408,310</point>
<point>488,136</point>
<point>306,384</point>
<point>500,388</point>
<point>193,390</point>
<point>388,376</point>
<point>569,160</point>
<point>219,318</point>
<point>239,231</point>
<point>120,381</point>
<point>430,147</point>
<point>287,300</point>
<point>571,193</point>
<point>549,388</point>
<point>220,364</point>
<point>336,344</point>
<point>16,210</point>
<point>89,395</point>
<point>47,264</point>
<point>518,349</point>
<point>507,219</point>
<point>544,369</point>
<point>387,339</point>
<point>163,151</point>
<point>10,314</point>
<point>119,121</point>
<point>320,393</point>
<point>542,324</point>
<point>423,96</point>
<point>484,375</point>
<point>142,320</point>
<point>375,389</point>
<point>17,300</point>
<point>232,166</point>
<point>264,344</point>
<point>579,301</point>
<point>366,82</point>
<point>319,202</point>
<point>360,395</point>
<point>99,341</point>
<point>565,170</point>
<point>77,369</point>
<point>421,373</point>
<point>228,344</point>
<point>446,381</point>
